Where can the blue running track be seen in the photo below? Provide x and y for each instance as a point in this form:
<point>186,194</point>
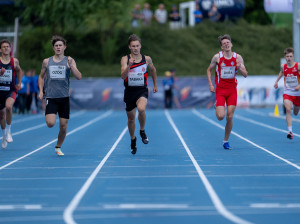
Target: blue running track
<point>182,176</point>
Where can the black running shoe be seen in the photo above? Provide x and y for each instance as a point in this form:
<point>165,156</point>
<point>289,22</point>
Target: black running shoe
<point>133,146</point>
<point>290,135</point>
<point>144,137</point>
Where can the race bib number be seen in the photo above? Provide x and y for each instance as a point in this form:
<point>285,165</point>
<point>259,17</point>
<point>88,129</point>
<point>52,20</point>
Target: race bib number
<point>7,76</point>
<point>227,72</point>
<point>291,82</point>
<point>136,79</point>
<point>57,72</point>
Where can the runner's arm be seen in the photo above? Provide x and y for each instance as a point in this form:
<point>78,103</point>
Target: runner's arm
<point>41,78</point>
<point>74,69</point>
<point>240,66</point>
<point>125,67</point>
<point>19,72</point>
<point>279,77</point>
<point>212,65</point>
<point>153,73</point>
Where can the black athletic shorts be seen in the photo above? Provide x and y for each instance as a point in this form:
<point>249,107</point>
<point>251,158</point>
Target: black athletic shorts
<point>4,95</point>
<point>131,96</point>
<point>58,105</point>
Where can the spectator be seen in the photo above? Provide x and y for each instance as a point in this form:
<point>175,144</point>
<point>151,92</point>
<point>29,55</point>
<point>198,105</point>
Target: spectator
<point>23,93</point>
<point>168,83</point>
<point>136,16</point>
<point>147,14</point>
<point>174,18</point>
<point>34,90</point>
<point>161,14</point>
<point>198,15</point>
<point>214,14</point>
<point>176,90</point>
<point>29,92</point>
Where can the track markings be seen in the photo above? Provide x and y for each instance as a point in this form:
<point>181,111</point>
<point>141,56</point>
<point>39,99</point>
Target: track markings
<point>245,139</point>
<point>210,190</point>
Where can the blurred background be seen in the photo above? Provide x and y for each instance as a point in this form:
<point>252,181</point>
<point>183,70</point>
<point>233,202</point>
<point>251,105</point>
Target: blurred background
<point>178,35</point>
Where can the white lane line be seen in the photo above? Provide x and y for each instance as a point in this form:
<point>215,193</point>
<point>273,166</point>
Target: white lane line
<point>210,190</point>
<point>21,207</point>
<point>68,212</point>
<point>42,125</point>
<point>146,206</point>
<point>102,116</point>
<point>256,112</point>
<point>245,139</point>
<point>263,125</point>
<point>275,205</point>
<point>283,117</point>
<point>22,119</point>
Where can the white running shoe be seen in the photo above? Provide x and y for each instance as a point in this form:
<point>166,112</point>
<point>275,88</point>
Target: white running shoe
<point>4,143</point>
<point>59,152</point>
<point>9,138</point>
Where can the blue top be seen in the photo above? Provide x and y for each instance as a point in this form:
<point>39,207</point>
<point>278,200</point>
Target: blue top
<point>24,82</point>
<point>197,19</point>
<point>168,83</point>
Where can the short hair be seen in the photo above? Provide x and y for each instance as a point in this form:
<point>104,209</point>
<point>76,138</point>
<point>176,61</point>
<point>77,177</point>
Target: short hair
<point>133,37</point>
<point>5,41</point>
<point>56,38</point>
<point>288,50</point>
<point>225,36</point>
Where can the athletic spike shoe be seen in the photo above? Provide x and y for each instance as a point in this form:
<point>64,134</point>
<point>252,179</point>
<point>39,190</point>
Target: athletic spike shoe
<point>59,152</point>
<point>133,146</point>
<point>4,142</point>
<point>9,138</point>
<point>144,137</point>
<point>226,145</point>
<point>290,135</point>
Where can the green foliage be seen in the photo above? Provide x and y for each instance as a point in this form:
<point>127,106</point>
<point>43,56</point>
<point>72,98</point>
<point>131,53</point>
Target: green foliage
<point>60,15</point>
<point>255,13</point>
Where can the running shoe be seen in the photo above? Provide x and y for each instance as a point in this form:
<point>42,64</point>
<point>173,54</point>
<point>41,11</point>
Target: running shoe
<point>9,138</point>
<point>133,146</point>
<point>59,152</point>
<point>4,143</point>
<point>226,145</point>
<point>144,137</point>
<point>290,135</point>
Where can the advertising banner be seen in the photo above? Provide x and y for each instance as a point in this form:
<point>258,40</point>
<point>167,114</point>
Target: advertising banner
<point>107,93</point>
<point>281,6</point>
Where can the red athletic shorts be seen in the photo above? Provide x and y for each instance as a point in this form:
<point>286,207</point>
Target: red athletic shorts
<point>294,99</point>
<point>226,95</point>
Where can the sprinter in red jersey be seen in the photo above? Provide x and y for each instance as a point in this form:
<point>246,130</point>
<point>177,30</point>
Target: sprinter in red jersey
<point>291,94</point>
<point>134,72</point>
<point>10,69</point>
<point>226,64</point>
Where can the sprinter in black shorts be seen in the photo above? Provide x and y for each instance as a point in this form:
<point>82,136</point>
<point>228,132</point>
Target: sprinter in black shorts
<point>54,79</point>
<point>134,73</point>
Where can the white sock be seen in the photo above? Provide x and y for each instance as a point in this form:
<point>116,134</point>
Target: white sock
<point>290,129</point>
<point>8,128</point>
<point>224,141</point>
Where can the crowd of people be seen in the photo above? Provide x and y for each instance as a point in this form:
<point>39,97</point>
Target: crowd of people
<point>161,16</point>
<point>27,101</point>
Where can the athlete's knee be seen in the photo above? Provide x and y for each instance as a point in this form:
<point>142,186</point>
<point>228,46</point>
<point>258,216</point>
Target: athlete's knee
<point>220,115</point>
<point>141,109</point>
<point>229,117</point>
<point>50,124</point>
<point>63,128</point>
<point>131,120</point>
<point>9,108</point>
